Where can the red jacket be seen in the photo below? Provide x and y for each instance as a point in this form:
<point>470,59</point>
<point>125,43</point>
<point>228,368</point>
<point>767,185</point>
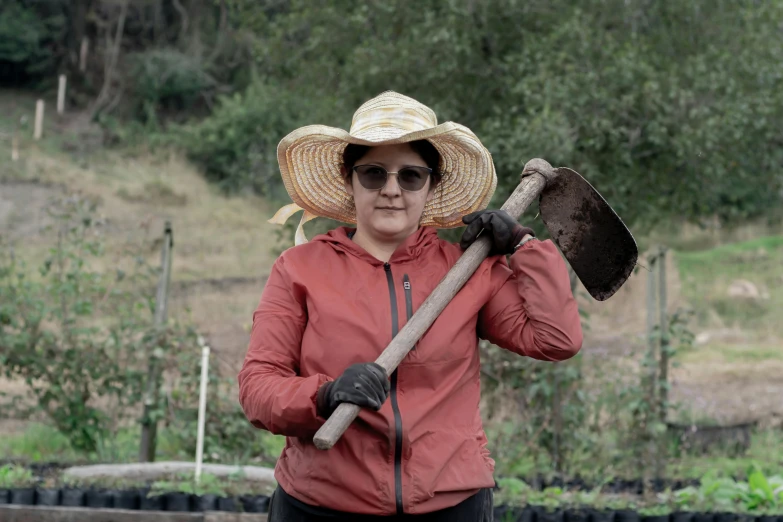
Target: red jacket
<point>328,304</point>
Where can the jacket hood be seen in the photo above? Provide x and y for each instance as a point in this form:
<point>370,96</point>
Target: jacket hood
<point>418,244</point>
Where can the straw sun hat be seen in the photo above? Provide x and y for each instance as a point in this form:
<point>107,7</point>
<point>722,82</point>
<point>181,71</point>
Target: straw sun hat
<point>310,159</point>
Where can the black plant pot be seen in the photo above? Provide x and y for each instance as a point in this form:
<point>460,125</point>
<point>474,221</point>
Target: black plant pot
<point>227,504</point>
<point>600,515</point>
<point>576,515</point>
<point>626,515</point>
<point>152,503</point>
<point>542,515</point>
<point>499,513</point>
<point>682,516</point>
<point>72,497</point>
<point>255,504</point>
<point>178,501</point>
<point>47,497</point>
<point>5,496</point>
<point>127,499</point>
<point>208,502</point>
<point>656,518</point>
<point>23,496</point>
<point>99,498</point>
<point>768,518</point>
<point>726,517</point>
<point>703,517</point>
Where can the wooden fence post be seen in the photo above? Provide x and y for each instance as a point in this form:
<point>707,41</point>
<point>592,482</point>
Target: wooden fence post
<point>83,54</point>
<point>39,116</point>
<point>657,358</point>
<point>557,396</point>
<point>149,421</point>
<point>61,95</point>
<point>663,321</point>
<point>649,374</point>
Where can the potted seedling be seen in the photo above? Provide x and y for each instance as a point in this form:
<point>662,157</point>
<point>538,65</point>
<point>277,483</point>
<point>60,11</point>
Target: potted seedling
<point>657,513</point>
<point>19,483</point>
<point>178,493</point>
<point>511,500</point>
<point>47,494</point>
<point>547,504</point>
<point>208,491</point>
<point>72,493</point>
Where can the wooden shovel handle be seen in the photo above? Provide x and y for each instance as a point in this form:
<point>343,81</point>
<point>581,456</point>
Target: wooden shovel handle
<point>342,417</point>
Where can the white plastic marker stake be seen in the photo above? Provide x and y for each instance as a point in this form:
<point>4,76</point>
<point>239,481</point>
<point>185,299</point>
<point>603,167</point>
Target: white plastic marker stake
<point>39,114</point>
<point>202,408</point>
<point>61,95</point>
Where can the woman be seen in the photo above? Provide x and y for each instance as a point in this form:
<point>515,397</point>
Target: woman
<point>331,305</point>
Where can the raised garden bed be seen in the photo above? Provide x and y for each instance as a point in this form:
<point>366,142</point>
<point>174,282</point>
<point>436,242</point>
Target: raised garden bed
<point>132,499</point>
<point>12,513</point>
<point>759,499</point>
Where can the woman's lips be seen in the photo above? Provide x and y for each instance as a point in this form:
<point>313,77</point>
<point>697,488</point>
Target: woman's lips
<point>388,208</point>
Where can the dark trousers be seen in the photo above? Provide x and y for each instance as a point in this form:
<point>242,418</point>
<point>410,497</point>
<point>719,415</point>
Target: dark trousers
<point>284,508</point>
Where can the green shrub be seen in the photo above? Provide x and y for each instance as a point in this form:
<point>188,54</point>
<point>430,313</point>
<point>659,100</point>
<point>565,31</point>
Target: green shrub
<point>237,145</point>
<point>25,35</point>
<point>167,79</point>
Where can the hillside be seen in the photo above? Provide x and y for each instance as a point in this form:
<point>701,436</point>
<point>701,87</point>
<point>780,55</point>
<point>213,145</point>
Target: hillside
<point>223,251</point>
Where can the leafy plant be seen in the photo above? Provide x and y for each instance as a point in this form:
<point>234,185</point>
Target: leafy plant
<point>78,335</point>
<point>757,494</point>
<point>186,483</point>
<point>13,476</point>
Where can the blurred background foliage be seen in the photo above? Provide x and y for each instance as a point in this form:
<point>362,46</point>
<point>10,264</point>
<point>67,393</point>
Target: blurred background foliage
<point>658,103</point>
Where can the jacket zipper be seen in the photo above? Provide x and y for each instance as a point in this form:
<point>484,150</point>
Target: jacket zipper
<point>395,406</point>
<point>406,284</point>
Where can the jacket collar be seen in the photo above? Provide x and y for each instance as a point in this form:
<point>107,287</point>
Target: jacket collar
<point>415,246</point>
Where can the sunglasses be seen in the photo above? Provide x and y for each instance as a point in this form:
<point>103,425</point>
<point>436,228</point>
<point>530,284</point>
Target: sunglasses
<point>410,179</point>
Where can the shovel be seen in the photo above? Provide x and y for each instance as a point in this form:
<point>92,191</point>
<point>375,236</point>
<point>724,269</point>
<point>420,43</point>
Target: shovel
<point>594,240</point>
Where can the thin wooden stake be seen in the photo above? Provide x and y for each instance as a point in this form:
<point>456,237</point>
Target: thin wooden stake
<point>15,148</point>
<point>649,381</point>
<point>663,364</point>
<point>149,425</point>
<point>83,54</point>
<point>663,369</point>
<point>61,95</point>
<point>39,116</point>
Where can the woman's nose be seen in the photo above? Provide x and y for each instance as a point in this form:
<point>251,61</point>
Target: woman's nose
<point>391,188</point>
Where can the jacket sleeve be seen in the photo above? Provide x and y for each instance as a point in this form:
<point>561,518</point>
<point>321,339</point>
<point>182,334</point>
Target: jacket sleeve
<point>533,312</point>
<point>273,395</point>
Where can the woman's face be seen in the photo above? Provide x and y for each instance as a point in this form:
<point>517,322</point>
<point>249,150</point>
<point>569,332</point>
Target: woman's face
<point>389,213</point>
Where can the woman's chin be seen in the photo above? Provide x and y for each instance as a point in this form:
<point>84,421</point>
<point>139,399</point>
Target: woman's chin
<point>391,227</point>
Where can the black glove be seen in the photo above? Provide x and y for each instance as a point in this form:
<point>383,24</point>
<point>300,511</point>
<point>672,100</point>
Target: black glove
<point>363,384</point>
<point>505,231</point>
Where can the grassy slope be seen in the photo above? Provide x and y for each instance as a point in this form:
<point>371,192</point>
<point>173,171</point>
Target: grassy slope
<point>224,240</point>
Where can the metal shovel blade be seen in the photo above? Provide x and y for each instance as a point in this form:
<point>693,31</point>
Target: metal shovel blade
<point>591,236</point>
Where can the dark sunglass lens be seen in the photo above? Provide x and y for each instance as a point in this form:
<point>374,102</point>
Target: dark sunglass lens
<point>412,178</point>
<point>371,177</point>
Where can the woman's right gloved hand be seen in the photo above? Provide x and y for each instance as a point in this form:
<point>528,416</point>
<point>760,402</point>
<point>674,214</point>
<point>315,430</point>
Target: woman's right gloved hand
<point>363,384</point>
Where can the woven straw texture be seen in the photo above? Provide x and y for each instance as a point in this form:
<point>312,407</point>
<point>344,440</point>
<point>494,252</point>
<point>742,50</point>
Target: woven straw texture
<point>310,159</point>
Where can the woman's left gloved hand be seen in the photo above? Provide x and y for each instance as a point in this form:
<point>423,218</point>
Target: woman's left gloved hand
<point>505,231</point>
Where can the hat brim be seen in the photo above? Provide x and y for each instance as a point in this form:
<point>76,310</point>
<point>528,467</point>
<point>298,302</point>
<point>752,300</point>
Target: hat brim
<point>310,159</point>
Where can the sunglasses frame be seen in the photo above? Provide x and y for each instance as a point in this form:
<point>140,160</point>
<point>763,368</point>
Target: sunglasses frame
<point>429,171</point>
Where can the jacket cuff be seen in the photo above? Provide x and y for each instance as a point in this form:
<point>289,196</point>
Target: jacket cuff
<point>321,400</point>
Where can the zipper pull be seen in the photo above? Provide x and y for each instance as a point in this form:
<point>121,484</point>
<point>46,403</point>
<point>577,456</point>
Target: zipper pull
<point>386,266</point>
